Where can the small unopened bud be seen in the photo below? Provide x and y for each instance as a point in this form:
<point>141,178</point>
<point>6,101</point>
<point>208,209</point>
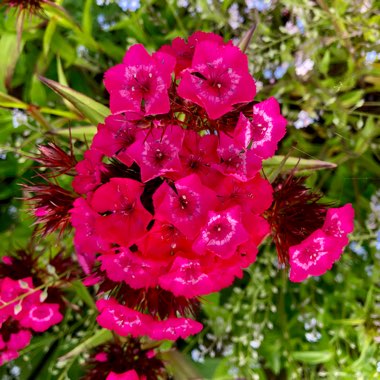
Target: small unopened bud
<point>17,308</point>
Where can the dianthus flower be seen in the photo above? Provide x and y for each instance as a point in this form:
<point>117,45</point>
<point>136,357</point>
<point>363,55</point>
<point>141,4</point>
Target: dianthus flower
<point>171,204</point>
<point>308,235</point>
<point>25,310</point>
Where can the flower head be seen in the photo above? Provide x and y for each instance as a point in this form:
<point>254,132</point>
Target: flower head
<point>217,79</point>
<point>141,82</point>
<point>308,235</point>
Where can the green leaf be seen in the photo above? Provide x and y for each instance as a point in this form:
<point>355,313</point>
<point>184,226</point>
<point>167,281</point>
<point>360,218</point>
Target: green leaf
<point>8,101</point>
<point>246,39</point>
<point>63,81</point>
<point>81,133</point>
<point>91,109</point>
<point>179,365</point>
<point>277,164</point>
<point>48,35</point>
<point>325,63</point>
<point>366,135</point>
<point>10,51</point>
<point>84,294</point>
<point>100,337</point>
<point>37,92</point>
<point>87,17</point>
<point>312,357</point>
<point>65,20</point>
<point>349,99</point>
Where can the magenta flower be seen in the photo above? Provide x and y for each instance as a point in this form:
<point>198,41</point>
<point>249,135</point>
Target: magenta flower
<point>339,222</point>
<point>198,153</point>
<point>156,152</point>
<point>187,278</point>
<point>313,257</point>
<point>253,196</point>
<point>22,309</point>
<point>124,219</point>
<point>186,207</point>
<point>163,240</point>
<point>90,172</point>
<point>318,252</point>
<point>141,82</point>
<point>123,320</point>
<point>174,328</point>
<point>218,78</point>
<point>7,356</point>
<point>132,268</point>
<point>184,52</point>
<point>308,235</point>
<point>116,135</point>
<point>17,341</point>
<point>222,233</point>
<point>41,317</point>
<point>266,129</point>
<point>235,162</point>
<point>86,239</point>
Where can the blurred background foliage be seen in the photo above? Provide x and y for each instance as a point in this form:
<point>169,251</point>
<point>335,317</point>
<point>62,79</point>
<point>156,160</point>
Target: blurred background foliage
<point>321,60</point>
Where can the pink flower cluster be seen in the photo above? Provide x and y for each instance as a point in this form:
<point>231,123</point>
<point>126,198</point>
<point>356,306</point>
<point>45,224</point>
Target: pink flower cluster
<point>172,204</point>
<point>173,196</point>
<point>23,311</point>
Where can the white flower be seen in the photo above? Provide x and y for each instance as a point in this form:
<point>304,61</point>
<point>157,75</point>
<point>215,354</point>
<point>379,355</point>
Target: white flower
<point>235,19</point>
<point>303,66</point>
<point>303,121</point>
<point>19,118</point>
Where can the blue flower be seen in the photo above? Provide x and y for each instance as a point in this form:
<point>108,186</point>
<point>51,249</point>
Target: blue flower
<point>303,121</point>
<point>260,5</point>
<point>358,249</point>
<point>371,57</point>
<point>129,5</point>
<point>268,74</point>
<point>377,244</point>
<point>281,70</point>
<point>300,25</point>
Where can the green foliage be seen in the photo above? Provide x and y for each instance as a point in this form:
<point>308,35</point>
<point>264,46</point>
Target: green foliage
<point>263,327</point>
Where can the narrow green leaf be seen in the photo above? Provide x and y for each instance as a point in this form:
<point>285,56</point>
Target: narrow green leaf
<point>37,92</point>
<point>100,337</point>
<point>87,17</point>
<point>81,133</point>
<point>63,113</point>
<point>62,80</point>
<point>349,99</point>
<point>48,35</point>
<point>8,101</point>
<point>84,294</point>
<point>65,20</point>
<point>350,322</point>
<point>91,109</point>
<point>246,39</point>
<point>325,63</point>
<point>301,164</point>
<point>366,136</point>
<point>10,52</point>
<point>312,357</point>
